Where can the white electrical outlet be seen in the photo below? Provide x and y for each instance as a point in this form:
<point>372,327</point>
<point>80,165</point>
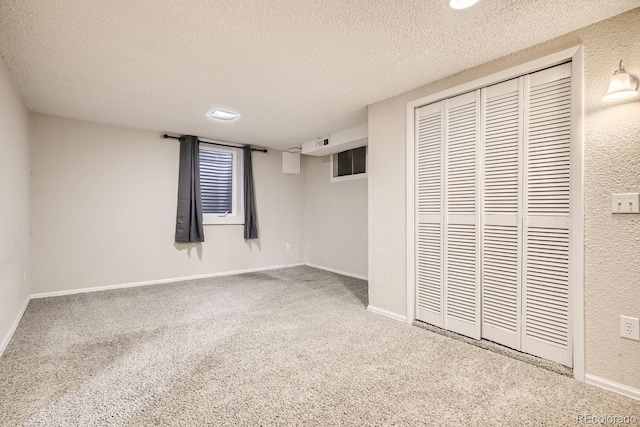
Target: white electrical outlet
<point>287,247</point>
<point>630,327</point>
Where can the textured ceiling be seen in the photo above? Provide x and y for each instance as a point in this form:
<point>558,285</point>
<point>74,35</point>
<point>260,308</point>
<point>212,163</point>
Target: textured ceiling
<point>294,69</point>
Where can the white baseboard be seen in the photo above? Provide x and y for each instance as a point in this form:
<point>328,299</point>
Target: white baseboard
<point>625,390</point>
<point>390,314</point>
<point>14,326</point>
<point>158,282</point>
<point>333,270</point>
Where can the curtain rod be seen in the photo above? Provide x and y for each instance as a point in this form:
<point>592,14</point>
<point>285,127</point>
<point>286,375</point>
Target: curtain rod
<point>165,136</point>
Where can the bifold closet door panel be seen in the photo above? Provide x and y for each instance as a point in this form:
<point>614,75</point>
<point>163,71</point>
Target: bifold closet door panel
<point>461,235</point>
<point>547,311</point>
<point>494,213</point>
<point>501,242</point>
<point>429,158</point>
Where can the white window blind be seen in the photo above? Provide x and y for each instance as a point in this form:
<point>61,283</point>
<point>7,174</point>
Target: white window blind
<point>221,185</point>
<point>216,181</point>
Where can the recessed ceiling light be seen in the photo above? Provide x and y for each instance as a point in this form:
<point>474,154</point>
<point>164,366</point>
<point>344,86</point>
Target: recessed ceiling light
<point>223,115</point>
<point>462,4</point>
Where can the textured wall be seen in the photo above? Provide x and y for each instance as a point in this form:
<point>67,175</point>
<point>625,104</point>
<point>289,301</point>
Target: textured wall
<point>612,164</point>
<point>104,207</point>
<point>335,219</point>
<point>15,240</point>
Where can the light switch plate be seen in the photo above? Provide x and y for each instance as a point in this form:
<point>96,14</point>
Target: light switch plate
<point>625,203</point>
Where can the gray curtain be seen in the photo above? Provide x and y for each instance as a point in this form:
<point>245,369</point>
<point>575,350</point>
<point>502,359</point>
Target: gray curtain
<point>250,219</point>
<point>189,218</point>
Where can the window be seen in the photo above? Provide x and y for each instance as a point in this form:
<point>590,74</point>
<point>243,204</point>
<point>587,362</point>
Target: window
<point>221,185</point>
<point>349,164</point>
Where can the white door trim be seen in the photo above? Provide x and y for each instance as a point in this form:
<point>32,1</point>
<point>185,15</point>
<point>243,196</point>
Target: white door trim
<point>575,54</point>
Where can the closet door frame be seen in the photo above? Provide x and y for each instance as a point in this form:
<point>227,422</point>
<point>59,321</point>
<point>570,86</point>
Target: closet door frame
<point>576,276</point>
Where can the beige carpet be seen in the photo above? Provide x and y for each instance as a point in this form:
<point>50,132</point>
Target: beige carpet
<point>286,347</point>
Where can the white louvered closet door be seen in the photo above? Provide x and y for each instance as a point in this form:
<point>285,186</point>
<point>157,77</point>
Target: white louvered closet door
<point>547,133</point>
<point>501,243</point>
<point>430,137</point>
<point>461,236</point>
<point>494,204</point>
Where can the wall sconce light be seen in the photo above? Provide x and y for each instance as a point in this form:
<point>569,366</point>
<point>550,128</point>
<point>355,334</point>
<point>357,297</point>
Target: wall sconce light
<point>622,85</point>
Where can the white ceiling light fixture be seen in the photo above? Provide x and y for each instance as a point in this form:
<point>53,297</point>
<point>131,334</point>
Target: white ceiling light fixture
<point>226,116</point>
<point>462,4</point>
<point>622,85</point>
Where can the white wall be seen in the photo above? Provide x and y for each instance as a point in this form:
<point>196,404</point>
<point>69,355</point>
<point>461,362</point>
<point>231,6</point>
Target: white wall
<point>15,224</point>
<point>335,219</point>
<point>612,165</point>
<point>104,207</point>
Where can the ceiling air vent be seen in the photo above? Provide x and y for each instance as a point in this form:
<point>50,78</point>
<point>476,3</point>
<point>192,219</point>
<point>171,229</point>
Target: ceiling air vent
<point>322,142</point>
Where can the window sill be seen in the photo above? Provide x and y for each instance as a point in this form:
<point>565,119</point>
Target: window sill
<point>211,219</point>
<point>348,177</point>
